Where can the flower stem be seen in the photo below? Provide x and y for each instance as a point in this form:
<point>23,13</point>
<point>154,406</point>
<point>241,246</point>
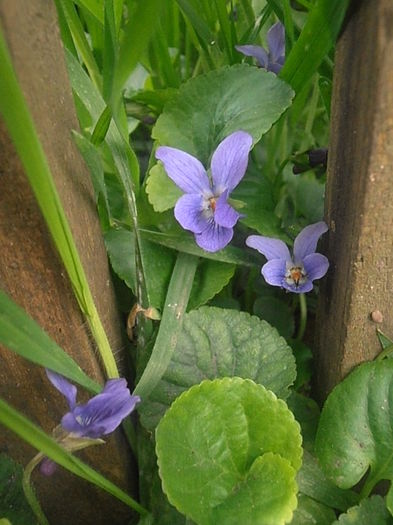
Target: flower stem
<point>29,491</point>
<point>303,316</point>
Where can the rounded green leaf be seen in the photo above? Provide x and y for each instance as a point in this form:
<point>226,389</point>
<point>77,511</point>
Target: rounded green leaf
<point>217,342</point>
<point>210,107</point>
<point>369,511</point>
<point>311,512</point>
<point>355,429</point>
<point>228,451</point>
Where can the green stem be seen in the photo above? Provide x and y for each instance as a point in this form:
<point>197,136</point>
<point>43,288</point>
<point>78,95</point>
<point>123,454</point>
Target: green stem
<point>29,491</point>
<point>385,353</point>
<point>172,319</point>
<point>303,316</point>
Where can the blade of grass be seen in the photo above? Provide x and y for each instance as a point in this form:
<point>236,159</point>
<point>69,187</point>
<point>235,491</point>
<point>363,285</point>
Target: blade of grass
<point>223,18</point>
<point>137,34</point>
<point>25,337</point>
<point>317,37</point>
<point>176,301</point>
<point>95,8</point>
<point>20,125</point>
<point>124,159</point>
<point>33,435</point>
<point>80,40</point>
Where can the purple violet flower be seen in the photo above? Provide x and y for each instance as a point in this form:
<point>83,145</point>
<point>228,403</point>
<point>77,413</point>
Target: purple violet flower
<point>204,208</point>
<point>274,58</point>
<point>102,414</point>
<point>296,273</point>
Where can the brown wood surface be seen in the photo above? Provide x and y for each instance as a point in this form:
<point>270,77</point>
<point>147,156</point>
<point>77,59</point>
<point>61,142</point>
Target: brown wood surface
<point>359,197</point>
<point>31,273</point>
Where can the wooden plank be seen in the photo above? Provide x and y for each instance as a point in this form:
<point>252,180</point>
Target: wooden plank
<point>30,270</point>
<point>359,197</point>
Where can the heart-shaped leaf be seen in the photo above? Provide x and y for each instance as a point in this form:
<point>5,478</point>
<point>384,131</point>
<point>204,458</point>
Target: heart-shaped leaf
<point>371,510</point>
<point>216,342</point>
<point>310,512</point>
<point>355,430</point>
<point>210,107</point>
<point>228,451</point>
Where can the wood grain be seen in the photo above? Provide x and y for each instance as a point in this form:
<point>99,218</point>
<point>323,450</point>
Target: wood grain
<point>31,273</point>
<point>359,197</point>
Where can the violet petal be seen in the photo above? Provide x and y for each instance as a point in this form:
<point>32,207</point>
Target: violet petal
<point>301,288</point>
<point>225,215</point>
<point>307,240</point>
<point>270,248</point>
<point>48,467</point>
<point>276,41</point>
<point>229,161</point>
<point>64,386</point>
<point>185,170</point>
<point>189,213</point>
<point>316,266</point>
<point>214,237</point>
<point>103,413</point>
<point>274,67</point>
<point>274,272</point>
<point>254,51</point>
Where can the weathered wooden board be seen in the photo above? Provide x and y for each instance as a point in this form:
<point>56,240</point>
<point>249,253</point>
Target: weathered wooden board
<point>31,273</point>
<point>359,197</point>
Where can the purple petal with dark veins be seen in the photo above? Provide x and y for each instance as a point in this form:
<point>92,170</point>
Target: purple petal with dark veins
<point>274,272</point>
<point>185,170</point>
<point>254,51</point>
<point>270,248</point>
<point>307,240</point>
<point>189,213</point>
<point>214,237</point>
<point>103,413</point>
<point>316,266</point>
<point>225,215</point>
<point>229,161</point>
<point>301,288</point>
<point>276,41</point>
<point>65,387</point>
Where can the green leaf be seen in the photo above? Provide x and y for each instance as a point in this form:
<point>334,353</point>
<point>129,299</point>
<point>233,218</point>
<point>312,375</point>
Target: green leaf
<point>306,412</point>
<point>210,279</point>
<point>277,313</point>
<point>309,198</point>
<point>317,37</point>
<point>184,242</point>
<point>39,440</point>
<point>233,458</point>
<point>13,504</point>
<point>158,263</point>
<point>93,161</point>
<point>370,510</point>
<point>354,432</point>
<point>310,512</point>
<point>256,192</point>
<point>210,107</point>
<point>137,34</point>
<point>314,484</point>
<point>162,192</point>
<point>217,343</point>
<point>25,337</point>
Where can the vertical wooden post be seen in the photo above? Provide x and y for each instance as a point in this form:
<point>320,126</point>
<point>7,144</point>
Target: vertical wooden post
<point>31,273</point>
<point>359,197</point>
